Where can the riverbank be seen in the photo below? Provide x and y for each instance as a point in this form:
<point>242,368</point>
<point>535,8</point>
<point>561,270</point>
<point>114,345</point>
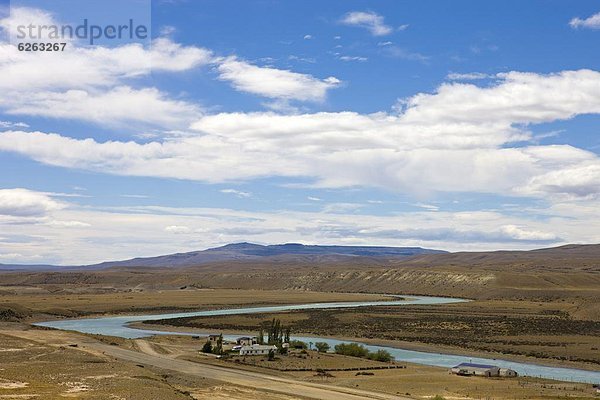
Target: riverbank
<point>542,332</point>
<point>402,345</point>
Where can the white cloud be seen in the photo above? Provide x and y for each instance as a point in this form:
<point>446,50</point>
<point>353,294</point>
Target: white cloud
<point>92,83</point>
<point>26,203</point>
<point>237,193</point>
<point>308,37</point>
<point>178,229</point>
<point>116,106</point>
<point>125,232</point>
<point>274,83</point>
<point>518,233</point>
<point>9,124</point>
<point>96,66</point>
<point>461,130</point>
<point>369,20</point>
<point>517,97</point>
<point>592,22</point>
<point>581,180</point>
<point>68,224</point>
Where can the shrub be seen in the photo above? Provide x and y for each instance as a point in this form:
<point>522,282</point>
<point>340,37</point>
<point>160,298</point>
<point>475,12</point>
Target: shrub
<point>322,347</point>
<point>298,344</point>
<point>351,349</point>
<point>381,355</point>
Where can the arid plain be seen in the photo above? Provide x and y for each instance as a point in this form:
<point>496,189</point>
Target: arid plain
<point>540,307</point>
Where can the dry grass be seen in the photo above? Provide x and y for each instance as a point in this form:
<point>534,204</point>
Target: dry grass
<point>423,382</point>
<point>34,369</point>
<point>162,300</point>
<point>418,381</point>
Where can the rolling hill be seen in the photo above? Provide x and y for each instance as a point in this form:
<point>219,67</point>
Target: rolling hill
<point>251,252</point>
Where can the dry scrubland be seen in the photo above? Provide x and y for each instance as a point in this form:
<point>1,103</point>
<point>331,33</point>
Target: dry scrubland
<point>533,331</point>
<point>44,366</point>
<point>47,364</point>
<point>539,306</point>
<point>72,301</point>
<point>414,381</point>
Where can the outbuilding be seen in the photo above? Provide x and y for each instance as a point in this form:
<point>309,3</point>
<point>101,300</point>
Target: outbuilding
<point>470,369</point>
<point>507,372</point>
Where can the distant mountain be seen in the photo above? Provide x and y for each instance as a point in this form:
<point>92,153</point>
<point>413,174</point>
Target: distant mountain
<point>29,267</point>
<point>293,254</point>
<point>250,251</point>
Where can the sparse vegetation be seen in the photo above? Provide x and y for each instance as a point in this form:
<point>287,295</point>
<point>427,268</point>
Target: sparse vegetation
<point>380,355</point>
<point>298,344</point>
<point>322,347</point>
<point>351,349</point>
<point>358,350</point>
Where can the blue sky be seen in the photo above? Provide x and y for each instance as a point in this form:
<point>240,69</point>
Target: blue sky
<point>461,125</point>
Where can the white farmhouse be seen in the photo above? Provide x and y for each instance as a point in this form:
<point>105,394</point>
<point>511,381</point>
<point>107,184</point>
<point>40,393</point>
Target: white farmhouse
<point>256,350</point>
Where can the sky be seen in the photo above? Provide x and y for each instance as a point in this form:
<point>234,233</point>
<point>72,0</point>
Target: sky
<point>462,126</point>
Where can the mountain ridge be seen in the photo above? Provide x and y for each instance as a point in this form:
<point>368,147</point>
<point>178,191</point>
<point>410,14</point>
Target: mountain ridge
<point>288,253</point>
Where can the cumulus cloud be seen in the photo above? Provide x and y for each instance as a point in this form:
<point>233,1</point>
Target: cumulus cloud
<point>438,139</point>
<point>518,97</point>
<point>274,83</point>
<point>26,203</point>
<point>369,20</point>
<point>92,83</point>
<point>115,106</point>
<point>591,22</point>
<point>578,181</point>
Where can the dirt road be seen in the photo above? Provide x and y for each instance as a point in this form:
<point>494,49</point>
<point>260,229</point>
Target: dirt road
<point>242,378</point>
<point>249,379</point>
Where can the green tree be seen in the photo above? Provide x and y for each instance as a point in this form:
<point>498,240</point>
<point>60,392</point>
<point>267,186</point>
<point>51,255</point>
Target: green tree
<point>351,349</point>
<point>207,348</point>
<point>298,344</point>
<point>381,355</point>
<point>322,347</point>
